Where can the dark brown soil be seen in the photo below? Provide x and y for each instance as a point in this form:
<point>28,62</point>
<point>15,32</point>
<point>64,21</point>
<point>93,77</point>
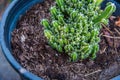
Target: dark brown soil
<point>32,51</point>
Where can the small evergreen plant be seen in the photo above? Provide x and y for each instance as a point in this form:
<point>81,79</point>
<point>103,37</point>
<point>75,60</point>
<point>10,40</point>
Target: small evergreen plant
<point>75,25</point>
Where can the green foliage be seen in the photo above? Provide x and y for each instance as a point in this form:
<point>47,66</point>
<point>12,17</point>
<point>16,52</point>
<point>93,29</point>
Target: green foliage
<point>74,27</point>
<point>106,13</point>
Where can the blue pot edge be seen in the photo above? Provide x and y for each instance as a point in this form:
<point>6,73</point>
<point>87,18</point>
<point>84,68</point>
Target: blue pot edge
<point>6,51</point>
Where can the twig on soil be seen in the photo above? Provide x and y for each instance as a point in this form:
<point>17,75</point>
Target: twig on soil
<point>117,31</point>
<point>93,72</point>
<point>42,56</point>
<point>111,37</point>
<point>107,28</point>
<point>101,34</point>
<point>103,50</point>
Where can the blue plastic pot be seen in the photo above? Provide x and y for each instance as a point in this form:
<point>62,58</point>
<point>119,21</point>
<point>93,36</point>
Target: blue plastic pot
<point>8,23</point>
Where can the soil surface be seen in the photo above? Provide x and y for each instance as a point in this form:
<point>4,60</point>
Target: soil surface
<point>31,50</point>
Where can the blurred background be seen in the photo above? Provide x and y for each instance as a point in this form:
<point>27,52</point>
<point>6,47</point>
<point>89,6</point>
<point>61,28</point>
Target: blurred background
<point>3,5</point>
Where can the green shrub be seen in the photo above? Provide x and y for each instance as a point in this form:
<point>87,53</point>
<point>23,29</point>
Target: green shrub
<point>75,25</point>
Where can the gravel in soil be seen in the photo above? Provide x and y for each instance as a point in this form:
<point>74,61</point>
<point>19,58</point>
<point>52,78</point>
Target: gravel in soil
<point>31,50</point>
